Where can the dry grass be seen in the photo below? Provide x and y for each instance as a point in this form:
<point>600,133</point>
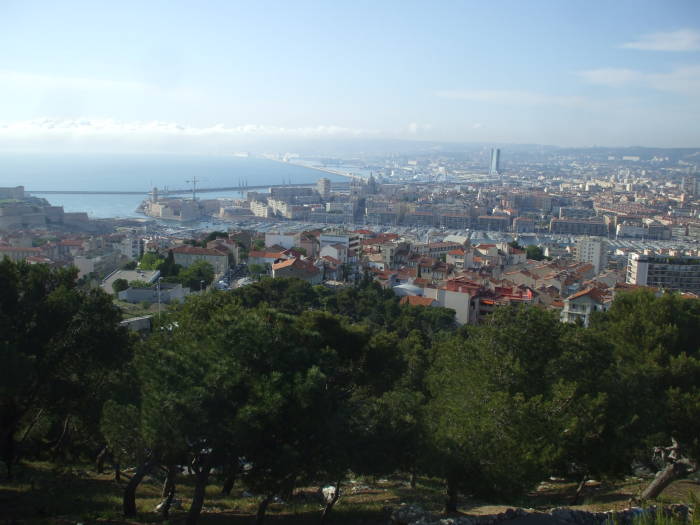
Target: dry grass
<point>45,493</point>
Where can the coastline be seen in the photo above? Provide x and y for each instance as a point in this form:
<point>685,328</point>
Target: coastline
<point>317,168</point>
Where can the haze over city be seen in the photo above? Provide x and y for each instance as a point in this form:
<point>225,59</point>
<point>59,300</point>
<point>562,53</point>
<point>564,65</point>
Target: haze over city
<point>174,77</point>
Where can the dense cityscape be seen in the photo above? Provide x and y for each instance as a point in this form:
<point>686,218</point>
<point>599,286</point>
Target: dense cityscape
<point>350,263</point>
<point>564,230</point>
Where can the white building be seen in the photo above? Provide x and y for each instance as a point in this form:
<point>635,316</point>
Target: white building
<point>260,209</point>
<point>337,251</point>
<point>148,276</point>
<point>351,240</point>
<point>131,247</point>
<point>323,187</point>
<point>286,240</point>
<point>593,251</point>
<point>664,271</point>
<point>580,306</point>
<point>187,255</point>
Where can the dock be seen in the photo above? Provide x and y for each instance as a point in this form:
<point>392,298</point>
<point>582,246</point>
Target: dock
<point>168,192</point>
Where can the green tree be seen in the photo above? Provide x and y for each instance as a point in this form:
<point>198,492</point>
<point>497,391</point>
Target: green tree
<point>120,285</point>
<point>168,268</point>
<point>150,261</point>
<point>256,270</point>
<point>120,424</point>
<point>534,252</point>
<point>656,392</point>
<point>212,400</point>
<point>211,236</point>
<point>196,276</point>
<point>287,295</point>
<point>490,419</point>
<point>139,284</point>
<point>59,345</point>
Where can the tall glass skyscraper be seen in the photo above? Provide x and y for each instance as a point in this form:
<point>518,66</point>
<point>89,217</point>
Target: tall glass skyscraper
<point>495,159</point>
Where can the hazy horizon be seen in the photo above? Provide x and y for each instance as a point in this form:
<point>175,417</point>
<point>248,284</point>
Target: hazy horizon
<point>214,78</point>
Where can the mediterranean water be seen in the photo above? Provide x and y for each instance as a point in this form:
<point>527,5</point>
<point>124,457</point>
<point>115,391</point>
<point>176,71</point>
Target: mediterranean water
<point>93,172</point>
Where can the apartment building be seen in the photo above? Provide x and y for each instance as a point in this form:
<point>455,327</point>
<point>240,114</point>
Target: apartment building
<point>664,271</point>
<point>593,251</point>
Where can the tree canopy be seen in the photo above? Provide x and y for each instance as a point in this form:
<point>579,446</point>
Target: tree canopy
<point>60,345</point>
<point>286,384</point>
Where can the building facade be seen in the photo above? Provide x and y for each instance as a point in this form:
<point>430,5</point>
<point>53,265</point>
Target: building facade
<point>187,255</point>
<point>680,273</point>
<point>593,251</point>
<point>495,167</point>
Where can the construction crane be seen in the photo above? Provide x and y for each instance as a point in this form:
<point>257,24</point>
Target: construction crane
<point>194,182</point>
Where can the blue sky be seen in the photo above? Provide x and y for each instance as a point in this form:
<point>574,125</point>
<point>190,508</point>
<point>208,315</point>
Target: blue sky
<point>216,75</point>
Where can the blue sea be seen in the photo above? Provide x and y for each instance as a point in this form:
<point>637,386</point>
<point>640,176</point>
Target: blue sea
<point>47,172</point>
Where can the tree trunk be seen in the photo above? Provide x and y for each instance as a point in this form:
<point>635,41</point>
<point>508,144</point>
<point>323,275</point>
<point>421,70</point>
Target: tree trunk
<point>9,425</point>
<point>8,451</point>
<point>665,477</point>
<point>56,449</point>
<point>201,480</point>
<point>413,478</point>
<point>228,485</point>
<point>262,508</point>
<point>579,489</point>
<point>100,460</point>
<point>117,471</point>
<point>451,501</point>
<point>329,504</point>
<point>168,489</point>
<point>129,499</point>
<point>29,428</point>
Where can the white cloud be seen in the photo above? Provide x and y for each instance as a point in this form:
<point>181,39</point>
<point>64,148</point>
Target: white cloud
<point>477,125</point>
<point>85,127</point>
<point>680,40</point>
<point>684,80</point>
<point>610,76</point>
<point>680,80</point>
<point>414,128</point>
<point>516,97</point>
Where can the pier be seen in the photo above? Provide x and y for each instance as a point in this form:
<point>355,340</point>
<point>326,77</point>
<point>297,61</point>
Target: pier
<point>168,192</point>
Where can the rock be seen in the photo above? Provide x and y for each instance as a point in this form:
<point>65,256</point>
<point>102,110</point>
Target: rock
<point>414,515</point>
<point>562,514</point>
<point>328,493</point>
<point>175,504</point>
<point>680,511</point>
<point>411,515</point>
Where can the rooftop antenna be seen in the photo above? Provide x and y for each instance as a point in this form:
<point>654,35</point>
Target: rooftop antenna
<point>194,182</point>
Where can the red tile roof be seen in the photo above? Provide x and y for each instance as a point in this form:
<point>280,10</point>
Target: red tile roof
<point>594,294</point>
<point>297,263</point>
<point>415,300</point>
<point>284,264</point>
